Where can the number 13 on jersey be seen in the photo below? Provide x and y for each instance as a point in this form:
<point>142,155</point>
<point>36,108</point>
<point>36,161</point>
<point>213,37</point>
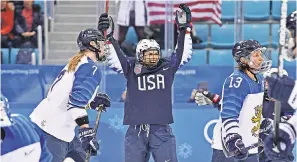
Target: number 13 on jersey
<point>235,82</point>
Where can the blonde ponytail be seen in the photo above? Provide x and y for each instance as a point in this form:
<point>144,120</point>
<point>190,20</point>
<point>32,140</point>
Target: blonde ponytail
<point>74,61</point>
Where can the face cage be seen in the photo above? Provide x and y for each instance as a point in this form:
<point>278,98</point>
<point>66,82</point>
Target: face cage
<point>265,65</point>
<point>140,58</point>
<point>97,50</point>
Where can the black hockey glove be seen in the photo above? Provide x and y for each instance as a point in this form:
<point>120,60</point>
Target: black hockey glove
<point>184,18</point>
<point>106,23</point>
<point>100,99</point>
<point>88,140</point>
<point>234,144</point>
<point>266,128</point>
<point>103,23</point>
<point>279,149</point>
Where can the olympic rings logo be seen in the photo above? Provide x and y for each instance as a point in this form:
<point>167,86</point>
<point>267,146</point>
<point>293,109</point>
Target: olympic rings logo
<point>206,127</point>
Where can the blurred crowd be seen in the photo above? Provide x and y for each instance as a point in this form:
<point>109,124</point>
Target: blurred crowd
<point>132,14</point>
<point>19,22</point>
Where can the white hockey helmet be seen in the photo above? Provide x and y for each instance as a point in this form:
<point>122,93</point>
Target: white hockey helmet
<point>146,45</point>
<point>274,70</point>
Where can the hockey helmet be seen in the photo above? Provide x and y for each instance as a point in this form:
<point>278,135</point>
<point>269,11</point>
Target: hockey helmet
<point>244,49</point>
<point>147,45</point>
<point>91,39</point>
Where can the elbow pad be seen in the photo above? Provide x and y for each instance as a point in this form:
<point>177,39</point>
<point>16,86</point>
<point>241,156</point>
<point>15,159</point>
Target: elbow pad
<point>82,120</point>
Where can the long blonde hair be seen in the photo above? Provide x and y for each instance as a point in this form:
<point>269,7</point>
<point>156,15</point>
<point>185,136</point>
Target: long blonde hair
<point>74,61</point>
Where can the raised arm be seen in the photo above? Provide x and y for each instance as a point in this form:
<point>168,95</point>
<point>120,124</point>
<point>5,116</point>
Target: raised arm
<point>183,50</point>
<point>116,58</point>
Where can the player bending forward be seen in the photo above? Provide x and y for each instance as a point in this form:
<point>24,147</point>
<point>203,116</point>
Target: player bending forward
<point>64,107</point>
<point>285,90</point>
<point>21,140</point>
<point>242,100</point>
<point>148,105</point>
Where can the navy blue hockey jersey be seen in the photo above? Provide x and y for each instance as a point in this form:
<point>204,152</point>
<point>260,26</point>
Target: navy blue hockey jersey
<point>148,99</point>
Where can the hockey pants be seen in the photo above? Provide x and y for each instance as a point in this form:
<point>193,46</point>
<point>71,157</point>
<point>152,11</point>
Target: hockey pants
<point>140,140</point>
<point>60,150</point>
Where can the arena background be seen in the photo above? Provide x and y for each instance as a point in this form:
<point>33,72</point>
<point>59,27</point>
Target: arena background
<point>217,25</point>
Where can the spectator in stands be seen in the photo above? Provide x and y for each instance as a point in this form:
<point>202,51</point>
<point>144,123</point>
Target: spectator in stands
<point>26,23</point>
<point>7,21</point>
<point>131,13</point>
<point>18,6</point>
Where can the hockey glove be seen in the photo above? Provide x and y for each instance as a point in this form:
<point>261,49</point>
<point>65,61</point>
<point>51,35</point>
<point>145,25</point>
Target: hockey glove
<point>100,99</point>
<point>284,143</point>
<point>203,97</point>
<point>88,140</point>
<point>106,23</point>
<point>280,88</point>
<point>184,18</point>
<point>103,23</point>
<point>234,144</point>
<point>266,128</point>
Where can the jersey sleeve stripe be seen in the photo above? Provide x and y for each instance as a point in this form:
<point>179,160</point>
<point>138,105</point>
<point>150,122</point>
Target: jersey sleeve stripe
<point>113,60</point>
<point>187,50</point>
<point>230,126</point>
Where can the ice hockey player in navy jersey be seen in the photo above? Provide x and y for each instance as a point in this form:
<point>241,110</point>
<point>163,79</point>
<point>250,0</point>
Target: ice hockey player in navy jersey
<point>64,107</point>
<point>21,140</point>
<point>148,105</point>
<point>284,89</point>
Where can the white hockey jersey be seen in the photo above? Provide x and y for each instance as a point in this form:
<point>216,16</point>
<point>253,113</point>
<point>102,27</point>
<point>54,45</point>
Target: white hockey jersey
<point>242,100</point>
<point>66,100</point>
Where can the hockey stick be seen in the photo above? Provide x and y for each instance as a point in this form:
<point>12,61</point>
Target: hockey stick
<point>106,11</point>
<point>231,154</point>
<point>282,37</point>
<point>99,109</point>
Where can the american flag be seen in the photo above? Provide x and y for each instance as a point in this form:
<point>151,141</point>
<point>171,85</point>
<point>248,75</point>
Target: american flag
<point>207,10</point>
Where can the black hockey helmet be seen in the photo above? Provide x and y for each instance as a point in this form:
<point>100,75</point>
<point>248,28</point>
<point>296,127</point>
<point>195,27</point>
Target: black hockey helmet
<point>290,44</point>
<point>245,48</point>
<point>87,36</point>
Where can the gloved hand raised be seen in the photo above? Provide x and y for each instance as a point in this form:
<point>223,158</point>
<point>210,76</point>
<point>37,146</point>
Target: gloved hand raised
<point>106,23</point>
<point>184,18</point>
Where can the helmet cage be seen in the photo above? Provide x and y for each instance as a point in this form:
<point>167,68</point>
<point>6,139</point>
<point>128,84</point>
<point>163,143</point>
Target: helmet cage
<point>143,60</point>
<point>264,66</point>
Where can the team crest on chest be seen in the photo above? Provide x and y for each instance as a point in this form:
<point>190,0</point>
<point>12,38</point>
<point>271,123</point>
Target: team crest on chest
<point>137,69</point>
<point>257,119</point>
